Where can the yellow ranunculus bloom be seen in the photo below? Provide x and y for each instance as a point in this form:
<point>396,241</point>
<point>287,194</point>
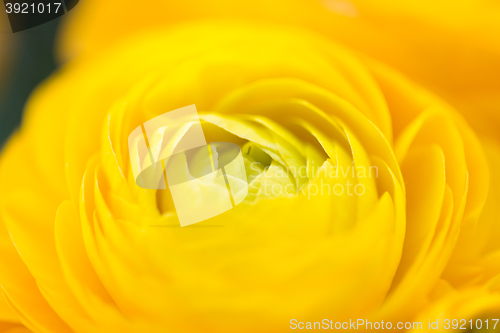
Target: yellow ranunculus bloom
<point>86,250</point>
<point>449,46</point>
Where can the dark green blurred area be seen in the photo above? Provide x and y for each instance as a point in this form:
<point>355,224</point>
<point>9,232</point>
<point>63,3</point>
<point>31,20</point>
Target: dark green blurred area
<point>32,61</point>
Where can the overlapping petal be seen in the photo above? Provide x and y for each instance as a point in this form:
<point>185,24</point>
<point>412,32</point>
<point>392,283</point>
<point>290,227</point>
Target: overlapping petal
<point>94,252</point>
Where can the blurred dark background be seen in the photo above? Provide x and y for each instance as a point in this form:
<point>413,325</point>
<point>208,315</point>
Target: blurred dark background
<point>31,61</point>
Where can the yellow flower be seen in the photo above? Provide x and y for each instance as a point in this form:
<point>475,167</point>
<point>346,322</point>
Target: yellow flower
<point>449,46</point>
<point>9,321</point>
<point>87,250</point>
